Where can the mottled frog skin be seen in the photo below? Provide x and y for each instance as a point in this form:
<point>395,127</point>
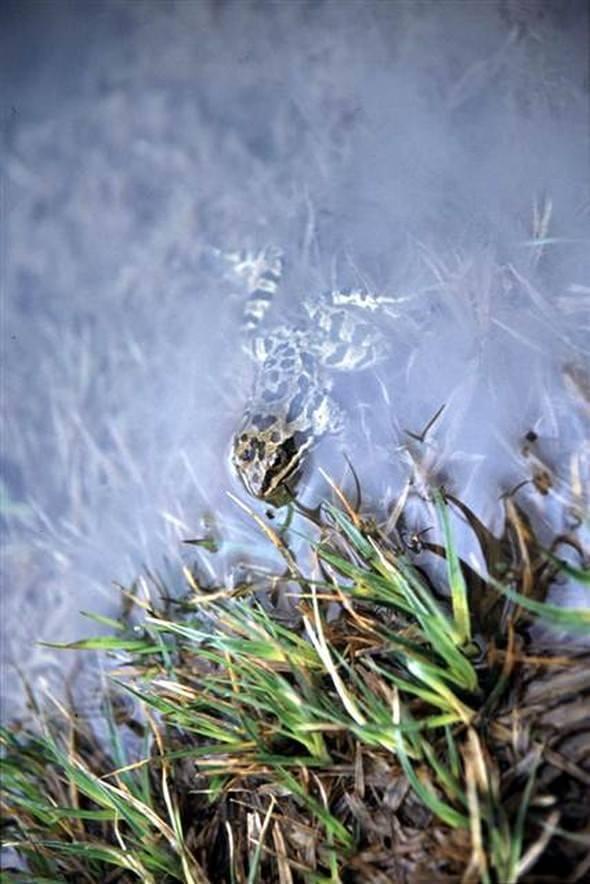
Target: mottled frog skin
<point>289,410</point>
<point>291,406</point>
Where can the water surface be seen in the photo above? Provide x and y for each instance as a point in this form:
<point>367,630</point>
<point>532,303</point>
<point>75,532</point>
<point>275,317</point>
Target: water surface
<point>436,152</point>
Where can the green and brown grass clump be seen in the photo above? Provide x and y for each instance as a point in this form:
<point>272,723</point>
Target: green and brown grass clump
<point>389,726</point>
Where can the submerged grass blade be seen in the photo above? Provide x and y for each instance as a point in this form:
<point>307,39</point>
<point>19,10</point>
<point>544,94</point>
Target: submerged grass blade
<point>572,619</point>
<point>456,580</point>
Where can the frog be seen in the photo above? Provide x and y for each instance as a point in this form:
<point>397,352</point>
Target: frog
<point>291,406</point>
<point>290,409</point>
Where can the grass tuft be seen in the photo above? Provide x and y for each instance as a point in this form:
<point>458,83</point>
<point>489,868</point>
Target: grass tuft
<point>386,727</point>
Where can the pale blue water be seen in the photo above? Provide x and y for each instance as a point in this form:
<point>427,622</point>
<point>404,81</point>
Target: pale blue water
<point>418,148</point>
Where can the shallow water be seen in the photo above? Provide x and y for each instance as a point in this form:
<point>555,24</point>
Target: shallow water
<point>437,153</point>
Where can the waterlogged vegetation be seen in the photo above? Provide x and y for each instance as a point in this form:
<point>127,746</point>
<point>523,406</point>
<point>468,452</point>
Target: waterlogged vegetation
<point>360,716</point>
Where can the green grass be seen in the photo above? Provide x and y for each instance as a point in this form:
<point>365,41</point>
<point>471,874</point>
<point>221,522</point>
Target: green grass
<point>385,708</point>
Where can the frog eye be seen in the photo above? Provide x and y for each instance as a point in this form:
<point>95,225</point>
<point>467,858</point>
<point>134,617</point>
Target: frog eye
<point>286,452</point>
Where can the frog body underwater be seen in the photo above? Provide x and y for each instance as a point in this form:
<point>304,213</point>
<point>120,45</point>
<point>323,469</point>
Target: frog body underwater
<point>291,405</point>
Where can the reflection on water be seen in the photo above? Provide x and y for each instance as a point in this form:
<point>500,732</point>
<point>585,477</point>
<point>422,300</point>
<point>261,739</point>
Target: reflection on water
<point>435,153</point>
